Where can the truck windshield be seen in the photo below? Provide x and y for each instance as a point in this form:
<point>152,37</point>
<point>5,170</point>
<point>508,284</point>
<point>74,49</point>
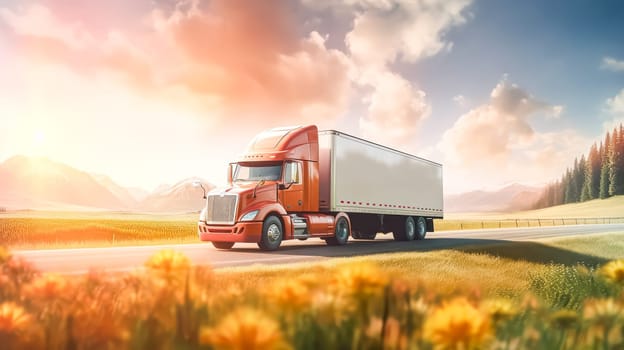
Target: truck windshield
<point>257,172</point>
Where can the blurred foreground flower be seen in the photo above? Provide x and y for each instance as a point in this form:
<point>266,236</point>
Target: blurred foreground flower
<point>603,313</point>
<point>5,255</point>
<point>168,263</point>
<point>290,295</point>
<point>362,280</point>
<point>244,329</point>
<point>48,287</point>
<point>457,324</point>
<point>500,309</point>
<point>564,318</point>
<point>13,318</point>
<point>614,271</point>
<point>392,337</point>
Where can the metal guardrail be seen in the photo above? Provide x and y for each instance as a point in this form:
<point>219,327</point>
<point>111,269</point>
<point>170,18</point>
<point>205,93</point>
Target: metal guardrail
<point>470,224</point>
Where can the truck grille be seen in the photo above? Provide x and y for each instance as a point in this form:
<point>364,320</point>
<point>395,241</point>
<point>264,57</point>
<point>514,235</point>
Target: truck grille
<point>221,209</point>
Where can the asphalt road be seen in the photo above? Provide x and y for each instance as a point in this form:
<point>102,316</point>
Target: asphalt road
<point>77,261</point>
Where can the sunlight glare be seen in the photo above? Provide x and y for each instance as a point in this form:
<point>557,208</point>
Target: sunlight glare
<point>38,138</point>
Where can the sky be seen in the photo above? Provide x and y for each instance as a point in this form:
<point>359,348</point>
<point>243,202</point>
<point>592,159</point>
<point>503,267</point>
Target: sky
<point>152,92</point>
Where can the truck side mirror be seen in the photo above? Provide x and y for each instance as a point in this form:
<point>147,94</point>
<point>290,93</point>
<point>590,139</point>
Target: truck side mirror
<point>284,186</point>
<point>230,173</point>
<point>198,183</point>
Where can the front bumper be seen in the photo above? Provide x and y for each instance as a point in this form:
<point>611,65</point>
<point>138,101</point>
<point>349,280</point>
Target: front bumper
<point>249,231</point>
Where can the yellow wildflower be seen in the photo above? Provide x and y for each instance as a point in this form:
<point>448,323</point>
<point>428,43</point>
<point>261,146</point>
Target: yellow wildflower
<point>564,318</point>
<point>5,255</point>
<point>290,295</point>
<point>168,263</point>
<point>362,279</point>
<point>500,309</point>
<point>13,318</point>
<point>614,271</point>
<point>392,339</point>
<point>457,324</point>
<point>244,329</point>
<point>330,309</point>
<point>602,312</point>
<point>47,286</point>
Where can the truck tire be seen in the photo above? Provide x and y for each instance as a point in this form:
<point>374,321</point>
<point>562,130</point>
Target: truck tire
<point>223,245</point>
<point>341,233</point>
<point>405,229</point>
<point>421,228</point>
<point>272,234</point>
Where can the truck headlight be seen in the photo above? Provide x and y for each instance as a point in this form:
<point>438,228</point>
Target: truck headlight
<point>249,216</point>
<point>203,215</point>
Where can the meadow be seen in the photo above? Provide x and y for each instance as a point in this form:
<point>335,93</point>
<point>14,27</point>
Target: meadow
<point>563,294</point>
<point>42,230</point>
<point>45,230</point>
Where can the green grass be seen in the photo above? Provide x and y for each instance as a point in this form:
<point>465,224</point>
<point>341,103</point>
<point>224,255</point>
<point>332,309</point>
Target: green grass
<point>597,208</point>
<point>61,232</point>
<point>496,270</point>
<point>337,303</point>
<point>49,229</point>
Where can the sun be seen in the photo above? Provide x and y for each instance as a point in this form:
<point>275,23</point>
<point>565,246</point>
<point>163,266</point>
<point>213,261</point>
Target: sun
<point>38,138</point>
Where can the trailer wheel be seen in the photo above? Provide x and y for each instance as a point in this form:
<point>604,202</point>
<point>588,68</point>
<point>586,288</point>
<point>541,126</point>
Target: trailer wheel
<point>421,228</point>
<point>272,234</point>
<point>404,229</point>
<point>341,233</point>
<point>223,245</point>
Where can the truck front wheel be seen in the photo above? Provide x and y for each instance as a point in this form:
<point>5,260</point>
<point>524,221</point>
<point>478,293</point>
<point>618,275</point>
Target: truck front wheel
<point>272,234</point>
<point>223,245</point>
<point>341,233</point>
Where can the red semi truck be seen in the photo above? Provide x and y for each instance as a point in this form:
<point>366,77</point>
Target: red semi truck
<point>300,183</point>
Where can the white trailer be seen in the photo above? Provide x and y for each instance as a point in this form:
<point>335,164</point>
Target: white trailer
<point>382,189</point>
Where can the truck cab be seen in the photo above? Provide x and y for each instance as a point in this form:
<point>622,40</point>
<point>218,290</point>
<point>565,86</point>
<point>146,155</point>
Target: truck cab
<point>272,194</point>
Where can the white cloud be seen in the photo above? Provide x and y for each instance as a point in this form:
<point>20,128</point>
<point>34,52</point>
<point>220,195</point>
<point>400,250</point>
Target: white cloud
<point>395,111</point>
<point>556,112</point>
<point>615,107</point>
<point>615,104</point>
<point>389,31</point>
<point>270,72</point>
<point>613,64</point>
<point>460,100</point>
<point>38,21</point>
<point>497,142</point>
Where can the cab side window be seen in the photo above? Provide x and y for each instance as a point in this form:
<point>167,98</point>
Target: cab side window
<point>292,173</point>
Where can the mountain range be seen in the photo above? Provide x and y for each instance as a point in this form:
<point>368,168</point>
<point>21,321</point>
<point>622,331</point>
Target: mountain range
<point>514,197</point>
<point>41,184</point>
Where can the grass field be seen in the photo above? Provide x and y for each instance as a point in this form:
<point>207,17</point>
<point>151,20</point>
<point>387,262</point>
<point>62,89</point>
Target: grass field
<point>42,230</point>
<point>505,296</point>
<point>494,270</point>
<point>598,208</point>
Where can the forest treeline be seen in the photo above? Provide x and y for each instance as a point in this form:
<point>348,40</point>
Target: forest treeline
<point>600,174</point>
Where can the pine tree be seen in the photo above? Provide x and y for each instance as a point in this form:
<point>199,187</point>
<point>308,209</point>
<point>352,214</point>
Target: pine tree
<point>604,168</point>
<point>579,178</point>
<point>591,182</point>
<point>616,162</point>
<point>570,193</point>
<point>600,175</point>
<point>559,193</point>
